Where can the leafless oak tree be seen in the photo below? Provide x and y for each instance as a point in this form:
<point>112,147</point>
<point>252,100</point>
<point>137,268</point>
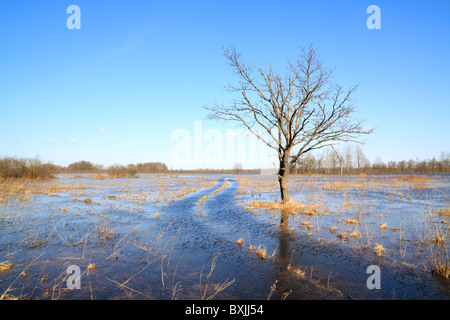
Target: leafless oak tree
<point>293,113</point>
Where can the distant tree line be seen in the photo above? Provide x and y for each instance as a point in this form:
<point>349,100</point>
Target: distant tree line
<point>16,168</point>
<point>353,161</point>
<point>347,161</point>
<point>86,166</point>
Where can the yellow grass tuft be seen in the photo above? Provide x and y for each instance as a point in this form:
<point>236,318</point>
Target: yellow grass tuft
<point>347,204</point>
<point>351,221</point>
<point>5,266</point>
<point>201,200</point>
<point>298,272</point>
<point>419,185</point>
<point>383,226</point>
<point>379,249</point>
<point>92,266</point>
<point>333,229</point>
<point>410,178</point>
<point>291,207</point>
<point>438,239</point>
<point>8,297</point>
<point>343,236</point>
<point>444,211</point>
<point>240,241</point>
<point>442,270</point>
<point>261,253</point>
<point>354,234</point>
<point>224,186</point>
<point>337,185</point>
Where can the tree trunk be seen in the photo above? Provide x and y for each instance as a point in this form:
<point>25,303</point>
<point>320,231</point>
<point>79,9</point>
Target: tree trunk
<point>283,175</point>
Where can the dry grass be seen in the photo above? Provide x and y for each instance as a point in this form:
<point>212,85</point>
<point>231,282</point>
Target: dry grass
<point>409,178</point>
<point>224,186</point>
<point>337,185</point>
<point>343,236</point>
<point>444,211</point>
<point>8,297</point>
<point>354,234</point>
<point>104,229</point>
<point>261,252</point>
<point>291,207</point>
<point>419,185</point>
<point>438,239</point>
<point>379,250</point>
<point>351,221</point>
<point>240,241</point>
<point>205,289</point>
<point>5,266</point>
<point>347,204</point>
<point>203,199</point>
<point>297,271</point>
<point>92,267</point>
<point>345,185</point>
<point>442,270</point>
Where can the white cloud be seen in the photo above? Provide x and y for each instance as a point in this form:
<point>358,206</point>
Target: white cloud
<point>72,140</point>
<point>49,139</point>
<point>102,129</point>
<point>18,138</point>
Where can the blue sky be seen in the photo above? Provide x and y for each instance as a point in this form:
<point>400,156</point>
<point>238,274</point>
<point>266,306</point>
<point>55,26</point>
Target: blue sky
<point>116,90</point>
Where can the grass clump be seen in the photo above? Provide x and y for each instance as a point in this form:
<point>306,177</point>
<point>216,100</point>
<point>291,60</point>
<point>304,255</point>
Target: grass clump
<point>444,212</point>
<point>379,249</point>
<point>442,270</point>
<point>5,266</point>
<point>291,207</point>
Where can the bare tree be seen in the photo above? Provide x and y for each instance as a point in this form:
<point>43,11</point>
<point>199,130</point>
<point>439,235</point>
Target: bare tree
<point>360,157</point>
<point>237,168</point>
<point>292,113</point>
<point>348,158</point>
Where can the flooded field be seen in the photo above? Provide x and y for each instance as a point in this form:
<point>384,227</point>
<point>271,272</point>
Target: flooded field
<point>166,236</point>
